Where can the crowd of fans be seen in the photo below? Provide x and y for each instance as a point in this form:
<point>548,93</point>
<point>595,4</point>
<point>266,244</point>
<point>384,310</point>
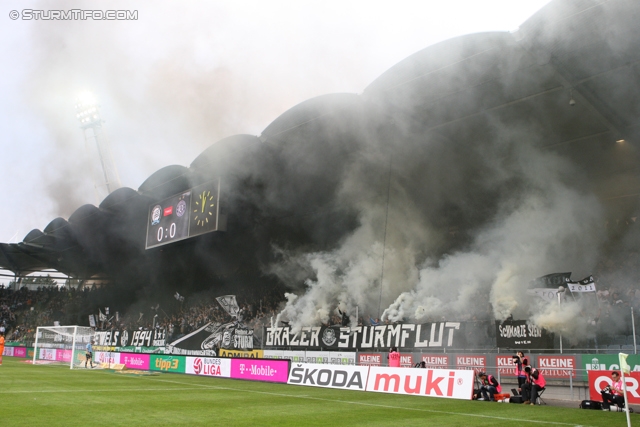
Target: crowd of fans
<point>23,310</point>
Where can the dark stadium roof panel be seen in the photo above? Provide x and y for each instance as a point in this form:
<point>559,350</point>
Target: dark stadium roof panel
<point>166,182</point>
<point>568,79</point>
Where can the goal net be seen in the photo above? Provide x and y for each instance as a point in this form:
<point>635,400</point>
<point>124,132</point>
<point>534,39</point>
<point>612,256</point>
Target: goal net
<point>61,344</point>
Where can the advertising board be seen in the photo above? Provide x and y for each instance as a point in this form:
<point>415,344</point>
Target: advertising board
<point>135,361</point>
<point>370,359</point>
<point>604,362</point>
<point>208,366</point>
<point>557,366</point>
<point>167,363</point>
<point>329,376</point>
<point>505,366</point>
<point>448,383</point>
<point>435,361</point>
<point>474,362</point>
<point>318,357</point>
<point>111,358</point>
<point>600,379</point>
<point>271,370</point>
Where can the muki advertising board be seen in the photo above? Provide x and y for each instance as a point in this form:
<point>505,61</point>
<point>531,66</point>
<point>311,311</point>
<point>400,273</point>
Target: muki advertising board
<point>447,383</point>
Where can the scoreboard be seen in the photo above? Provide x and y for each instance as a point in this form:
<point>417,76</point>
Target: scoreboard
<point>188,214</point>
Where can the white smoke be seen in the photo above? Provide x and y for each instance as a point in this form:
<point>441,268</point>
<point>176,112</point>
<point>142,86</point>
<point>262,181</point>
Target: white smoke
<point>544,226</point>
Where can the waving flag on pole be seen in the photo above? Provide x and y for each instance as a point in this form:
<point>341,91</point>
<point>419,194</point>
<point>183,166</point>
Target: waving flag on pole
<point>585,285</point>
<point>625,369</point>
<point>624,366</point>
<point>229,303</point>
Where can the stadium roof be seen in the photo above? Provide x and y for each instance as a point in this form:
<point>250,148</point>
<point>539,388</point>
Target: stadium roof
<point>570,74</point>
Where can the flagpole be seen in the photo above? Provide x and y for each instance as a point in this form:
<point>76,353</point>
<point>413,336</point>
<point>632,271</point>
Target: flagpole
<point>626,402</point>
<point>559,304</point>
<point>624,367</point>
<point>633,327</point>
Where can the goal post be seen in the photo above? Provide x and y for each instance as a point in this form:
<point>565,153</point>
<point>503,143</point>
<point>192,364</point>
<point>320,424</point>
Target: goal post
<point>61,344</point>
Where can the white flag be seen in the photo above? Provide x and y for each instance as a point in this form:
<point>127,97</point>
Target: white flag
<point>584,285</point>
<point>228,302</point>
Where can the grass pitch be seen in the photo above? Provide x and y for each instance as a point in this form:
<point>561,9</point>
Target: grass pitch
<point>53,395</point>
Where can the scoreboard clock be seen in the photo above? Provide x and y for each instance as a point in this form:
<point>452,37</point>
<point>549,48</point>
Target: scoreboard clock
<point>188,214</point>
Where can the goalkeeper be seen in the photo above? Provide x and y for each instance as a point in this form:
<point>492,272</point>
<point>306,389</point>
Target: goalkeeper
<point>89,354</point>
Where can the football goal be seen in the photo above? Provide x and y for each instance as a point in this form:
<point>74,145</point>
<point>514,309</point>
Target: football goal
<point>61,344</point>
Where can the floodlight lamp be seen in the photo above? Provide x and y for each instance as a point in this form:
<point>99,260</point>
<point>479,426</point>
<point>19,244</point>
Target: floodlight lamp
<point>87,98</point>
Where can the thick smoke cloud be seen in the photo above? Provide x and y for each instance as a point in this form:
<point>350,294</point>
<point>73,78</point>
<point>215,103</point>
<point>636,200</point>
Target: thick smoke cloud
<point>538,222</point>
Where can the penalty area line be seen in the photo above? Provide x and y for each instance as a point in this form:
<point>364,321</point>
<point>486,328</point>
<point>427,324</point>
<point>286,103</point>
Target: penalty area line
<point>378,405</point>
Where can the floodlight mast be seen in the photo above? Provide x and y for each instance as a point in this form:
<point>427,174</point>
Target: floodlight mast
<point>88,113</point>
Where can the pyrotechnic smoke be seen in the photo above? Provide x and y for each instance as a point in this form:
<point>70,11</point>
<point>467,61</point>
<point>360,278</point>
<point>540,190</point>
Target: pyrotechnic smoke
<point>541,222</point>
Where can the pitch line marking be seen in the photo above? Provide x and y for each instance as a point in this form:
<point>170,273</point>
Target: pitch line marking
<point>98,390</point>
<point>379,405</point>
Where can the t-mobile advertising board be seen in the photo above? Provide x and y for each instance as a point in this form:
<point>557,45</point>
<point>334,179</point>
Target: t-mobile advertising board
<point>56,354</point>
<point>449,383</point>
<point>557,366</point>
<point>474,362</point>
<point>329,376</point>
<point>271,370</point>
<point>600,379</point>
<point>135,361</point>
<point>208,366</point>
<point>19,352</point>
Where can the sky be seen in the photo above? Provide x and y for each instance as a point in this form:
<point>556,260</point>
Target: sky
<point>184,75</point>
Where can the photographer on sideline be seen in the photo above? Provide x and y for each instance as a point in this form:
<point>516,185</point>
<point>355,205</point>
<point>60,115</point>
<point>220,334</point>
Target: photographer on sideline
<point>520,362</point>
<point>613,394</point>
<point>535,383</point>
<point>489,386</point>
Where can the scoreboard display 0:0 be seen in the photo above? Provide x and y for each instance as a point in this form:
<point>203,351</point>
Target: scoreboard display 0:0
<point>168,220</point>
